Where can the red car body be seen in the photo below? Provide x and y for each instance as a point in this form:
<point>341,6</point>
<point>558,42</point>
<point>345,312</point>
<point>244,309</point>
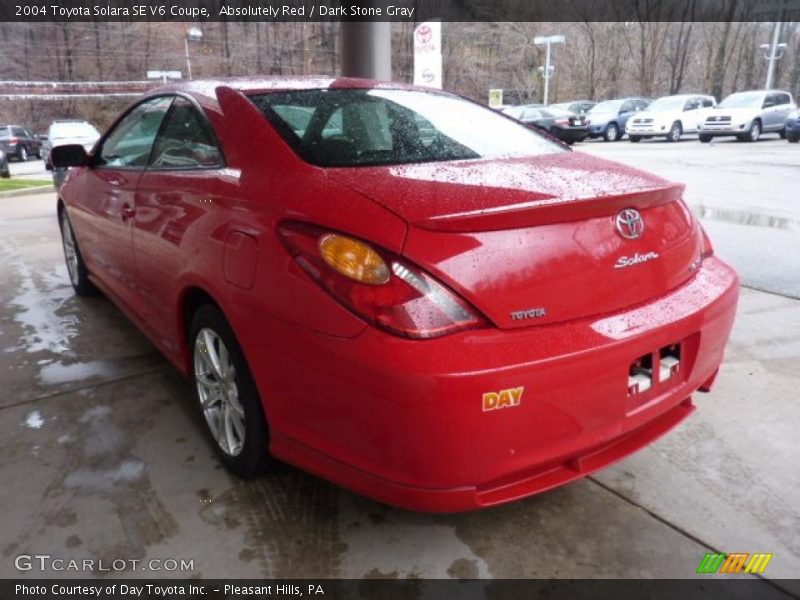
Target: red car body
<point>536,394</point>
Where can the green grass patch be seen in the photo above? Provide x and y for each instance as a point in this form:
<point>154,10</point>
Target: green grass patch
<point>8,185</point>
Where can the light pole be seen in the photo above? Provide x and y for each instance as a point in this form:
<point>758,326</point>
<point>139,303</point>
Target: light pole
<point>548,70</point>
<point>193,34</point>
<point>773,53</point>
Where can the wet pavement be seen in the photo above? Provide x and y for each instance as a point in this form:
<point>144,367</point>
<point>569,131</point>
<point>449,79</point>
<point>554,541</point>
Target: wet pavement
<point>104,456</point>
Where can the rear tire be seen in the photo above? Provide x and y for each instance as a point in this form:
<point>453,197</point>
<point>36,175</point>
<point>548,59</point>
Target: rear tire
<point>782,133</point>
<point>704,138</point>
<point>612,133</point>
<point>22,154</point>
<point>635,138</point>
<point>226,394</point>
<point>793,138</point>
<point>78,274</point>
<point>675,132</point>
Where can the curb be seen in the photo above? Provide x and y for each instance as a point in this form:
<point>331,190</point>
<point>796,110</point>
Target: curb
<point>28,191</point>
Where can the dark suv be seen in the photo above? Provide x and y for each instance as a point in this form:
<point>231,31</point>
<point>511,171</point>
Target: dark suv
<point>18,143</point>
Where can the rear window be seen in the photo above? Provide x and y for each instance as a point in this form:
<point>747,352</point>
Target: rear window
<point>77,129</point>
<point>366,127</point>
<point>5,132</point>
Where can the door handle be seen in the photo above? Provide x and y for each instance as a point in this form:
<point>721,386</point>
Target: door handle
<point>127,212</point>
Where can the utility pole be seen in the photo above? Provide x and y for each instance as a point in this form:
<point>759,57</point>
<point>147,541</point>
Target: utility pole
<point>773,53</point>
<point>548,70</point>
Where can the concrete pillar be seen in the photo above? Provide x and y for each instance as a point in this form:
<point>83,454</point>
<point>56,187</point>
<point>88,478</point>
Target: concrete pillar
<point>366,49</point>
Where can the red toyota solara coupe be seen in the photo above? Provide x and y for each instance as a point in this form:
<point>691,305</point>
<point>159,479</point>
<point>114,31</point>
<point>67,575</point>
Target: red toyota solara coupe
<point>395,288</point>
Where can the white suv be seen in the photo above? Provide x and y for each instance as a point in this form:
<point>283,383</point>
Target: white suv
<point>670,117</point>
<point>747,115</point>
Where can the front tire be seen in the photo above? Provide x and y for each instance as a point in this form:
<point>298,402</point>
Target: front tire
<point>753,133</point>
<point>227,395</point>
<point>705,139</point>
<point>22,154</point>
<point>78,274</point>
<point>675,132</point>
<point>635,138</point>
<point>612,133</point>
<point>793,138</point>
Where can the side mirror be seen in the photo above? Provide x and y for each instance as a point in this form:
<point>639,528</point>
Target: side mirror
<point>69,155</point>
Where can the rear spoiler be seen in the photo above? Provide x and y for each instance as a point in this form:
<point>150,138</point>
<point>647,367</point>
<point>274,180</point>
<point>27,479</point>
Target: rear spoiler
<point>545,211</point>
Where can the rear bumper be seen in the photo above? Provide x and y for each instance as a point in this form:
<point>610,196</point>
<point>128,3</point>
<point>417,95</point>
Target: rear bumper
<point>403,422</point>
<point>570,134</point>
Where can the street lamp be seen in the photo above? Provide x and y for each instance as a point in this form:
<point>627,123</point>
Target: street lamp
<point>773,53</point>
<point>193,34</point>
<point>548,69</point>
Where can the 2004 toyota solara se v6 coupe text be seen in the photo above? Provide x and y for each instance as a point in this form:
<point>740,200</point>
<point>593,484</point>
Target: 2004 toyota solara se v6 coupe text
<point>395,288</point>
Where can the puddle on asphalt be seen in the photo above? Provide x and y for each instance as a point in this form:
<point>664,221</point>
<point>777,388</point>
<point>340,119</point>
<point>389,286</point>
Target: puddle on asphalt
<point>38,302</point>
<point>55,373</point>
<point>742,217</point>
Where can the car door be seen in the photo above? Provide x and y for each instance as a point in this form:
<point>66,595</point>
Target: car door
<point>769,112</point>
<point>103,214</point>
<point>690,116</point>
<point>782,109</point>
<point>180,187</point>
<point>33,142</point>
<point>625,112</point>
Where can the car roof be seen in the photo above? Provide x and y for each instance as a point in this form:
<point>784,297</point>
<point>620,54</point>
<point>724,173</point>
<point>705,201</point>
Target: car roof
<point>686,96</point>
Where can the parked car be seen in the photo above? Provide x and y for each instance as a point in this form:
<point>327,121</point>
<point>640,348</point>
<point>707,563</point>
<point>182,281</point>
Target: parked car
<point>669,117</point>
<point>516,112</point>
<point>561,124</point>
<point>68,131</point>
<point>747,115</point>
<point>579,107</point>
<point>793,127</point>
<point>18,143</point>
<point>607,119</point>
<point>407,317</point>
<point>5,173</point>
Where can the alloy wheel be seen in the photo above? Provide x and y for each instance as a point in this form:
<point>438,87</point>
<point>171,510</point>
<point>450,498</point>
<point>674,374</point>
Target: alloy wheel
<point>215,377</point>
<point>70,250</point>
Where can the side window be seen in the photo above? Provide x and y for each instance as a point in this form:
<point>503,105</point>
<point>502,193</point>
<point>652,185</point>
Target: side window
<point>185,140</point>
<point>334,127</point>
<point>627,107</point>
<point>707,102</point>
<point>297,117</point>
<point>691,104</point>
<point>18,132</point>
<point>129,143</point>
<point>769,100</point>
<point>783,98</point>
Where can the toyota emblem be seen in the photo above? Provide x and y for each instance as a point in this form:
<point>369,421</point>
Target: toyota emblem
<point>629,223</point>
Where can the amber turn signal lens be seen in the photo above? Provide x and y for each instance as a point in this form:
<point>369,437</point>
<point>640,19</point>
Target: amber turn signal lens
<point>353,259</point>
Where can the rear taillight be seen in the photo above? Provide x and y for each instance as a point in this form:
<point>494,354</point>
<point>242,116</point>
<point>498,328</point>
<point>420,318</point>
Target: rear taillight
<point>561,121</point>
<point>380,287</point>
<point>12,140</point>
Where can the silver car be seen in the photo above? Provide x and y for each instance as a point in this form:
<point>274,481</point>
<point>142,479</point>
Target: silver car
<point>68,131</point>
<point>747,115</point>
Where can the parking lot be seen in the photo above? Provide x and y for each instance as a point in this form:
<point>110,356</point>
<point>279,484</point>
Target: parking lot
<point>109,460</point>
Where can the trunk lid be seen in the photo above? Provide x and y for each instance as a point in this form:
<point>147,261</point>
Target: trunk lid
<point>534,241</point>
